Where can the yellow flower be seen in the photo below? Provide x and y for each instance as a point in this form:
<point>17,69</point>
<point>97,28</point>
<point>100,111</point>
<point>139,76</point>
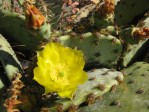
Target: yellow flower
<point>60,69</point>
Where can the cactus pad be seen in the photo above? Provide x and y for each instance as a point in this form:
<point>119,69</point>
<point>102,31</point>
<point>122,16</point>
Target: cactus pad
<point>128,10</point>
<point>131,96</point>
<point>98,49</point>
<point>99,82</point>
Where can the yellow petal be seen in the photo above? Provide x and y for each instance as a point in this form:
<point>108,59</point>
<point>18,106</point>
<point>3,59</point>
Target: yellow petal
<point>68,93</point>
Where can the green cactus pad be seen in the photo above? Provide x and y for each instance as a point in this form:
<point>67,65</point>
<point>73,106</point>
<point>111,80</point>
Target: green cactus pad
<point>128,10</point>
<point>135,46</point>
<point>8,58</point>
<point>100,49</point>
<point>131,96</point>
<point>103,22</point>
<point>13,26</point>
<point>99,82</point>
<point>134,52</point>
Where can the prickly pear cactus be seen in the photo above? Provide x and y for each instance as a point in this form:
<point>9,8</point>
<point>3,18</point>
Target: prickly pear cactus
<point>128,11</point>
<point>130,96</point>
<point>112,34</point>
<point>27,24</point>
<point>14,26</point>
<point>99,82</point>
<point>11,66</point>
<point>8,59</point>
<point>136,42</point>
<point>134,52</point>
<point>98,49</point>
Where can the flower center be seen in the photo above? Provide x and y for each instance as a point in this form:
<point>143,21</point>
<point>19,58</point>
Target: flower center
<point>59,75</point>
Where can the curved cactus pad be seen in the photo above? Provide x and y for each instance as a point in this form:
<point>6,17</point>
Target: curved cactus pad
<point>100,81</point>
<point>98,49</point>
<point>131,96</point>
